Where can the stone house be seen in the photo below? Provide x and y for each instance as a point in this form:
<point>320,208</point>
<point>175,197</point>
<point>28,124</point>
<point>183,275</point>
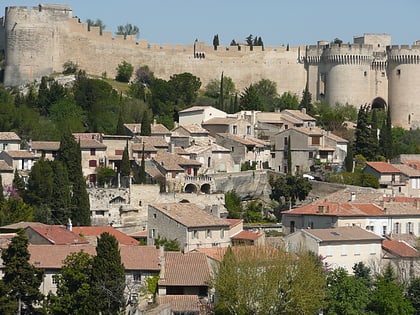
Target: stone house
<point>307,144</point>
<point>213,158</point>
<point>250,238</point>
<point>47,149</point>
<point>20,160</point>
<point>9,140</point>
<point>187,223</point>
<point>245,149</point>
<point>199,114</point>
<point>139,262</point>
<point>156,130</point>
<point>388,175</point>
<point>404,258</point>
<point>42,234</point>
<point>7,173</point>
<point>194,132</point>
<point>115,145</point>
<point>232,125</point>
<point>411,179</point>
<point>339,247</point>
<point>94,154</point>
<point>391,218</point>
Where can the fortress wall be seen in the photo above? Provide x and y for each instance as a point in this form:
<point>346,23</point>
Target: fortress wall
<point>404,81</point>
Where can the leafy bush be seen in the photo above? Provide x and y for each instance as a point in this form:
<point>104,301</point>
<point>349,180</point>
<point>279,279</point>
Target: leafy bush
<point>124,72</point>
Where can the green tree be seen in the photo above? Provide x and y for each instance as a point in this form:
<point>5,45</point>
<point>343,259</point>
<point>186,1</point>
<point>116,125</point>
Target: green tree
<point>388,296</point>
<point>289,156</point>
<point>97,23</point>
<point>413,294</point>
<point>267,92</point>
<point>142,174</point>
<point>233,204</point>
<point>104,175</point>
<point>14,210</point>
<point>253,212</point>
<point>69,67</point>
<point>61,194</point>
<point>40,184</point>
<point>19,184</point>
<point>120,124</point>
<point>1,191</point>
<point>287,101</point>
<point>366,141</point>
<point>108,278</point>
<point>266,280</point>
<point>215,41</point>
<point>73,287</point>
<point>168,245</point>
<point>146,124</point>
<point>347,294</point>
<point>250,99</point>
<point>288,189</point>
<point>348,161</point>
<point>66,114</point>
<point>21,280</point>
<point>127,29</point>
<point>124,72</point>
<point>385,137</point>
<point>185,87</point>
<point>306,101</point>
<point>125,162</point>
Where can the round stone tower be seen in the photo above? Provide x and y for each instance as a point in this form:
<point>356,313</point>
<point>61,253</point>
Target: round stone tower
<point>404,85</point>
<point>32,36</point>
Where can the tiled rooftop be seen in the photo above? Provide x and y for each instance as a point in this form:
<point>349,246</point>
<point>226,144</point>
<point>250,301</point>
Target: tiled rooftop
<point>58,234</point>
<point>383,167</point>
<point>399,248</point>
<point>346,233</point>
<point>96,231</point>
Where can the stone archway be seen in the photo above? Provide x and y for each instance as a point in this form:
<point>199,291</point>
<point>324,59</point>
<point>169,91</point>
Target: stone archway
<point>379,103</point>
<point>205,188</point>
<point>190,188</point>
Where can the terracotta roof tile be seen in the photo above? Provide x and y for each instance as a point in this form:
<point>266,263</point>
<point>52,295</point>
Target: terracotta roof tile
<point>57,234</point>
<point>45,145</point>
<point>91,144</point>
<point>383,167</point>
<point>133,257</point>
<point>181,303</point>
<point>338,209</point>
<point>298,114</point>
<point>9,136</point>
<point>247,235</point>
<point>248,141</point>
<point>190,215</point>
<point>399,248</point>
<point>345,233</point>
<point>96,231</point>
<point>17,154</point>
<point>408,170</point>
<point>185,269</point>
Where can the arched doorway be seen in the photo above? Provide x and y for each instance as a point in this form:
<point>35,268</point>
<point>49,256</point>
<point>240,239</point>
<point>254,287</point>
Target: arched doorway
<point>379,103</point>
<point>205,188</point>
<point>190,188</point>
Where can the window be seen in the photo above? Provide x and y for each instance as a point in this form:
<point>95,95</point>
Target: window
<point>372,249</point>
<point>285,140</point>
<point>397,228</point>
<point>54,280</point>
<point>119,152</point>
<point>248,130</point>
<point>311,155</point>
<point>343,250</point>
<point>365,73</point>
<point>232,149</point>
<point>136,276</point>
<point>194,234</point>
<point>398,71</point>
<point>384,230</point>
<point>357,250</point>
<point>209,162</point>
<point>315,140</point>
<point>208,233</point>
<point>100,212</point>
<point>409,227</point>
<point>92,151</point>
<point>152,233</point>
<point>235,130</point>
<point>92,163</point>
<point>222,233</point>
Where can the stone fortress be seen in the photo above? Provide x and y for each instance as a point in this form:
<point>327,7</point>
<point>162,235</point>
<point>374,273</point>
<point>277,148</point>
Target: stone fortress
<point>37,41</point>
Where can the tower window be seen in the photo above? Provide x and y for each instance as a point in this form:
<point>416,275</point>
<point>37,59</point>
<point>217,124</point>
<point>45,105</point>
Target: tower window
<point>398,71</point>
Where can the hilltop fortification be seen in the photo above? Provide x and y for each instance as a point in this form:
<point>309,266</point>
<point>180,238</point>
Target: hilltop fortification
<point>37,41</point>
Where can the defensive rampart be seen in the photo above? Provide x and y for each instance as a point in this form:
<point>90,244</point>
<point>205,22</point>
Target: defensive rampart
<point>38,40</point>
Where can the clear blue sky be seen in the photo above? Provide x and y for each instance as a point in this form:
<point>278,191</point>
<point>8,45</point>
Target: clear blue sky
<point>278,22</point>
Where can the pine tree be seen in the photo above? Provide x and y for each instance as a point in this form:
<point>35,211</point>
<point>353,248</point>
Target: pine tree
<point>80,208</point>
<point>21,280</point>
<point>108,278</point>
<point>365,139</point>
<point>348,161</point>
<point>70,155</point>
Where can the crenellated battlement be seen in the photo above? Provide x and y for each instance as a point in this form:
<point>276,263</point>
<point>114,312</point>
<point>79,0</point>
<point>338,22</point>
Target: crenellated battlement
<point>404,54</point>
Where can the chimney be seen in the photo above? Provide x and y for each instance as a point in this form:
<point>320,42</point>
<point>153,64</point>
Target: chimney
<point>69,225</point>
<point>303,110</point>
<point>353,196</point>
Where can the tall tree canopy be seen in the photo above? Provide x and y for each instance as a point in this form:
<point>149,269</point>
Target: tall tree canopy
<point>128,29</point>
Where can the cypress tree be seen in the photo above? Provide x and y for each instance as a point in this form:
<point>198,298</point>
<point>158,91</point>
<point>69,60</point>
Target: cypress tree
<point>108,279</point>
<point>1,190</point>
<point>385,137</point>
<point>70,155</point>
<point>125,162</point>
<point>61,196</point>
<point>306,101</point>
<point>146,124</point>
<point>365,139</point>
<point>348,161</point>
<point>221,96</point>
<point>289,157</point>
<point>120,124</point>
<point>142,175</point>
<point>40,184</point>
